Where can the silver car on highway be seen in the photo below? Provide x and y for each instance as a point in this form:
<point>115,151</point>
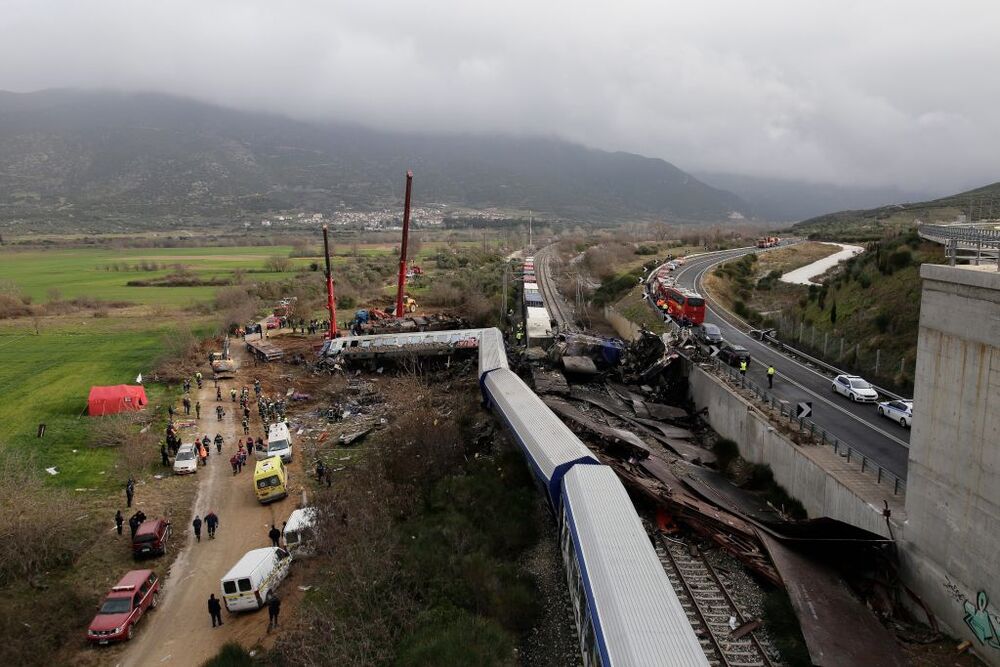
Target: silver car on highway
<point>900,412</point>
<point>854,388</point>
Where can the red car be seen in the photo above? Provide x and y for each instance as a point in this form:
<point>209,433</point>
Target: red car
<point>272,323</point>
<point>151,538</point>
<point>125,604</point>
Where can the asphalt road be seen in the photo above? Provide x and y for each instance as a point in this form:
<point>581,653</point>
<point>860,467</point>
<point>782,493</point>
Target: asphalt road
<point>855,424</point>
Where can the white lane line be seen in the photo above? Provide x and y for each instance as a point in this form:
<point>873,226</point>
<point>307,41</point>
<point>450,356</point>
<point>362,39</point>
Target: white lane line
<point>822,399</point>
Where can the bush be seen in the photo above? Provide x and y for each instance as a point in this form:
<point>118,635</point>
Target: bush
<point>230,655</point>
<point>277,264</point>
<point>726,451</point>
<point>455,637</point>
<point>900,259</point>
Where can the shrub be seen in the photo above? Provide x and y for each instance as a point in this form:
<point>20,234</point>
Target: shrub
<point>277,264</point>
<point>901,258</point>
<point>230,655</point>
<point>726,451</point>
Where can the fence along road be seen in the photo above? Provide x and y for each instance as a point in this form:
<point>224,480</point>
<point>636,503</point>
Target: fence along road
<point>857,425</point>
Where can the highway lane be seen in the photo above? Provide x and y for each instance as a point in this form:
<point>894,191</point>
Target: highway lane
<point>855,424</point>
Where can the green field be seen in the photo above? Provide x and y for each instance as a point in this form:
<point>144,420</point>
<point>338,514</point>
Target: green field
<point>91,272</point>
<point>46,379</point>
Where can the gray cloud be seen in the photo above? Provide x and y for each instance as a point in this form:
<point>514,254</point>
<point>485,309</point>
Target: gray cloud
<point>888,93</point>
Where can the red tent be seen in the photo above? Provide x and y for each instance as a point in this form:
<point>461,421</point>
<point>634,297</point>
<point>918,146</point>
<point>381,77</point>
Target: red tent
<point>112,400</point>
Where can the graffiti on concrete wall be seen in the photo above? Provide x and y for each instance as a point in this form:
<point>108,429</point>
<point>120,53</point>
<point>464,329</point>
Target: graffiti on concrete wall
<point>981,621</point>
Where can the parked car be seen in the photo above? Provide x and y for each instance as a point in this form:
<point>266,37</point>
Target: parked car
<point>151,538</point>
<point>186,461</point>
<point>124,605</point>
<point>900,412</point>
<point>734,354</point>
<point>710,334</point>
<point>854,388</point>
<point>272,323</point>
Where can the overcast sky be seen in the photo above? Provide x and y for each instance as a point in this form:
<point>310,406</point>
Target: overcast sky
<point>903,93</point>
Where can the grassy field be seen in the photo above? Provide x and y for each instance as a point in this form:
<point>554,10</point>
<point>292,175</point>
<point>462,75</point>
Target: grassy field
<point>47,378</point>
<point>97,273</point>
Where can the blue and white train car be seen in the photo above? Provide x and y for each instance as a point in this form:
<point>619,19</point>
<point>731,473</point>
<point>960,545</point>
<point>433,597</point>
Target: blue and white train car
<point>549,446</point>
<point>626,610</point>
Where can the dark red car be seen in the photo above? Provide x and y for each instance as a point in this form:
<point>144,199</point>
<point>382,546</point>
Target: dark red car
<point>125,604</point>
<point>151,538</point>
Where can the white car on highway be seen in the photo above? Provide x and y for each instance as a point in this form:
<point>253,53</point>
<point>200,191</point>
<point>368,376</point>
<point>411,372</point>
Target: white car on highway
<point>900,412</point>
<point>186,461</point>
<point>854,388</point>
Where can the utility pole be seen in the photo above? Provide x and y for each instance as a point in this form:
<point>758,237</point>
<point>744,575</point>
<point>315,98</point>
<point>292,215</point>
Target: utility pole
<point>529,228</point>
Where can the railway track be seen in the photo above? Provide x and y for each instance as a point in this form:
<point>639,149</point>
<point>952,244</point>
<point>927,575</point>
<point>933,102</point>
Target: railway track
<point>553,301</point>
<point>709,606</point>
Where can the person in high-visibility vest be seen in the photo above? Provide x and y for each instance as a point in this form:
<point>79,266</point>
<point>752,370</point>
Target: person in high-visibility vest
<point>770,376</point>
<point>743,367</point>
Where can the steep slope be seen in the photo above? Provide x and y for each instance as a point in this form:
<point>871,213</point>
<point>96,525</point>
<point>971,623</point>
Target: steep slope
<point>979,204</point>
<point>95,154</point>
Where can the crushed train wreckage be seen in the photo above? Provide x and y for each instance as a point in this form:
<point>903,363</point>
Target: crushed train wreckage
<point>626,401</point>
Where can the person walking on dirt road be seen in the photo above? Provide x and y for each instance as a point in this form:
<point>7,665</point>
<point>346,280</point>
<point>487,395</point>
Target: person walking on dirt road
<point>214,609</point>
<point>218,392</point>
<point>119,520</point>
<point>129,491</point>
<point>273,608</point>
<point>212,522</point>
<point>197,527</point>
<point>219,412</point>
<point>246,426</point>
<point>232,394</point>
<point>218,442</point>
<point>197,410</point>
<point>187,405</point>
<point>275,535</point>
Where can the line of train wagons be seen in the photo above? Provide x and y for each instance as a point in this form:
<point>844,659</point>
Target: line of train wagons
<point>627,612</point>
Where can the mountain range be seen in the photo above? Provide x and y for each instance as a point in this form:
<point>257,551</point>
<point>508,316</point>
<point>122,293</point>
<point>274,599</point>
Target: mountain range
<point>91,156</point>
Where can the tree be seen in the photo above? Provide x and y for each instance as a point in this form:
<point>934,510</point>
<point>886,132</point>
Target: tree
<point>833,313</point>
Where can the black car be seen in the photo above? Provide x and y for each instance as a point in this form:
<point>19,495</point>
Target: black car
<point>734,354</point>
<point>709,334</point>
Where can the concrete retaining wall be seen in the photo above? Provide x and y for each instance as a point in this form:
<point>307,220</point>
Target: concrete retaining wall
<point>795,467</point>
<point>951,543</point>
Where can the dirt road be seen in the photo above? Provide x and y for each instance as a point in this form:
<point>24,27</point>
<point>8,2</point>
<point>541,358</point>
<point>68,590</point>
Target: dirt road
<point>180,631</point>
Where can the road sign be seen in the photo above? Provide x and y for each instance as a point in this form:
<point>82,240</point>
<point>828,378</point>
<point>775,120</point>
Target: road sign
<point>803,409</point>
<point>715,350</point>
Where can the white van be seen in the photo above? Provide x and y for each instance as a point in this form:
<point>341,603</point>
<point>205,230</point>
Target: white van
<point>298,531</point>
<point>279,443</point>
<point>259,572</point>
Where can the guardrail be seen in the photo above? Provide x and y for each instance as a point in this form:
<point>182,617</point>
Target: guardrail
<point>807,426</point>
<point>784,348</point>
<point>971,238</point>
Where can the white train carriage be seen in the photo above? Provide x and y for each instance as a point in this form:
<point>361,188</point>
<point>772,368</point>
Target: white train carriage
<point>627,613</point>
<point>549,446</point>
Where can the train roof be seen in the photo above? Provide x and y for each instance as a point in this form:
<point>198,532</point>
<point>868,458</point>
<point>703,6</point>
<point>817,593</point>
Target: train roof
<point>640,621</point>
<point>550,446</point>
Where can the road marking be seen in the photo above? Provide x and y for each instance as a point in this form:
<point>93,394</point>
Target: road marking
<point>800,365</point>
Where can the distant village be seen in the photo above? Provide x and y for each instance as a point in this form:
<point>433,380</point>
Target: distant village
<point>386,219</point>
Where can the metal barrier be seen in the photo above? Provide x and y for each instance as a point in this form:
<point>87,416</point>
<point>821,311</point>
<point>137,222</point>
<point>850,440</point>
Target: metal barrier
<point>807,426</point>
<point>971,238</point>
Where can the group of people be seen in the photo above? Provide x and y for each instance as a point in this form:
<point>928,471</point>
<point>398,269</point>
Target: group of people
<point>239,459</point>
<point>211,522</point>
<point>134,521</point>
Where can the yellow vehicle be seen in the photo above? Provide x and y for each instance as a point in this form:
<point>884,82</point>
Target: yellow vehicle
<point>409,305</point>
<point>270,480</point>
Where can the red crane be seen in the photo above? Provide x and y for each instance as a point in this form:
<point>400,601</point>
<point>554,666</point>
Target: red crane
<point>331,302</point>
<point>402,249</point>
